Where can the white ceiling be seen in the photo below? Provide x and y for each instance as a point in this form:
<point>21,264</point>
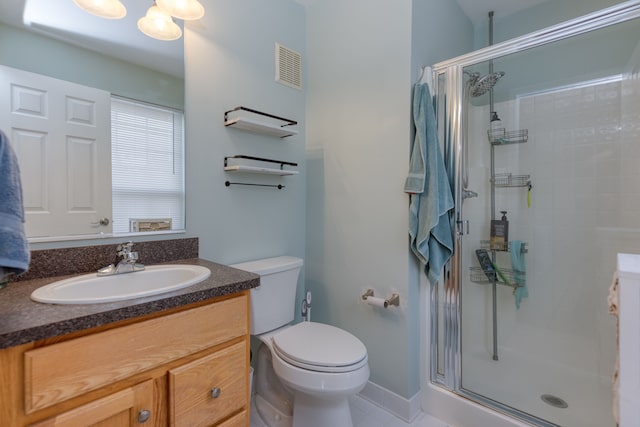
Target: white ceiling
<point>120,38</point>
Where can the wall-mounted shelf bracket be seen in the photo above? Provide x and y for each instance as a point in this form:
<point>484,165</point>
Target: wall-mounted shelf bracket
<point>259,169</point>
<point>259,122</point>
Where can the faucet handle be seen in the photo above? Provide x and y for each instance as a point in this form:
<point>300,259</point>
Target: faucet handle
<point>124,250</point>
<point>125,246</point>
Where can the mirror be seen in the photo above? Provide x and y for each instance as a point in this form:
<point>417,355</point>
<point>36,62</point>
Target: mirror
<point>66,43</point>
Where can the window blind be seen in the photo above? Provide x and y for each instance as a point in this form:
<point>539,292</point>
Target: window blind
<point>148,140</point>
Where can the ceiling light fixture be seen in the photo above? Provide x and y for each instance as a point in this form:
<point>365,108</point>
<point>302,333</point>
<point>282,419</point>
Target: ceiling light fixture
<point>182,9</point>
<point>110,9</point>
<point>158,24</point>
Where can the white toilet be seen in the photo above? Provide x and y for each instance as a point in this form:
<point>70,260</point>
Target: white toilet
<point>320,365</point>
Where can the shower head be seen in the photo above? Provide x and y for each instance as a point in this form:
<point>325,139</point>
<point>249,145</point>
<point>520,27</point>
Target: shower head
<point>481,85</point>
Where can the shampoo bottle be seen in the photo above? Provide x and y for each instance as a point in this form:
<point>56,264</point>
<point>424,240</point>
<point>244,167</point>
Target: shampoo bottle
<point>500,233</point>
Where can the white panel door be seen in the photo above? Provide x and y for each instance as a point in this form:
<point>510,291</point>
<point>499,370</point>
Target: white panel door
<point>61,133</point>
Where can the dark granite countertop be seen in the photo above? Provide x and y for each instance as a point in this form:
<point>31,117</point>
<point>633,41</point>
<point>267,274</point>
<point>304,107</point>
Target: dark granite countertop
<point>23,320</point>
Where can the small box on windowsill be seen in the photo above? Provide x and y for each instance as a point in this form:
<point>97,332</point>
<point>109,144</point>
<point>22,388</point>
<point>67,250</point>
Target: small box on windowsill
<point>156,224</point>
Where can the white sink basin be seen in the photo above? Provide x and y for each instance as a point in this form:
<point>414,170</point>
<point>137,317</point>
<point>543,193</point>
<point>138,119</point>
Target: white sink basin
<point>93,289</point>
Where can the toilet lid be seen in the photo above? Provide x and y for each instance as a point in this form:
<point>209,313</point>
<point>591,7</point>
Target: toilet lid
<point>320,347</point>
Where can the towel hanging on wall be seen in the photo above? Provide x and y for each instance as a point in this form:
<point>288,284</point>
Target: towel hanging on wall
<point>430,211</point>
<point>14,249</point>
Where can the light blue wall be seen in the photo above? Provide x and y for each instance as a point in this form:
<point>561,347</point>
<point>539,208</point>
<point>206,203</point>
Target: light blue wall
<point>363,58</point>
<point>440,30</point>
<point>32,52</point>
<point>535,18</point>
<point>357,142</point>
<point>229,61</point>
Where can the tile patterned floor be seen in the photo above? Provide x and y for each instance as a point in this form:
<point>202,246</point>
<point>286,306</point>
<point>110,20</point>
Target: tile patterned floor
<point>367,414</point>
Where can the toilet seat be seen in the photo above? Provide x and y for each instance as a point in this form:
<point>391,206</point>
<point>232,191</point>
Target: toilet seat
<point>320,347</point>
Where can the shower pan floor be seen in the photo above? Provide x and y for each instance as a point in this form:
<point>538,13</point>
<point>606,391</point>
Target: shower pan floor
<point>519,382</point>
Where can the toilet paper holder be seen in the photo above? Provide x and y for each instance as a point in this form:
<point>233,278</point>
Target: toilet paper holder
<point>394,299</point>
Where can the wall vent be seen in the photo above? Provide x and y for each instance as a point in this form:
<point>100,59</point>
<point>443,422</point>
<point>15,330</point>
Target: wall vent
<point>288,67</point>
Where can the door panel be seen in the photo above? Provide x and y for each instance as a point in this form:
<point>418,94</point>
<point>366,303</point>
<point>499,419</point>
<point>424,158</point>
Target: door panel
<point>61,134</point>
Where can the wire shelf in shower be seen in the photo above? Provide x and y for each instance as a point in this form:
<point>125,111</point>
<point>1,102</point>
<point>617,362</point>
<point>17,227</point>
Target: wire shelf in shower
<point>478,275</point>
<point>486,244</point>
<point>501,136</point>
<point>511,180</point>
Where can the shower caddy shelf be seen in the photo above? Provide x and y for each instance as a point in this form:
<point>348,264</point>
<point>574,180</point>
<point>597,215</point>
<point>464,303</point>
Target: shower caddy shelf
<point>486,244</point>
<point>498,137</point>
<point>259,122</point>
<point>508,277</point>
<point>501,136</point>
<point>477,275</point>
<point>504,180</point>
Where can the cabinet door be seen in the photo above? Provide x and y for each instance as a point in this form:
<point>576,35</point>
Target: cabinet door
<point>238,420</point>
<point>122,409</point>
<point>207,390</point>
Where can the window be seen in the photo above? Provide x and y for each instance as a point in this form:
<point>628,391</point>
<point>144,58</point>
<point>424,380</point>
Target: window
<point>147,164</point>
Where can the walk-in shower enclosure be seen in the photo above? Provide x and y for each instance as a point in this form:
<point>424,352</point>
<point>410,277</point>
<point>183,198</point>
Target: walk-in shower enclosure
<point>563,161</point>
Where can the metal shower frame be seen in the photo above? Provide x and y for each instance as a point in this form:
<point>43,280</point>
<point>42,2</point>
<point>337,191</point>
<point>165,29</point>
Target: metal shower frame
<point>452,137</point>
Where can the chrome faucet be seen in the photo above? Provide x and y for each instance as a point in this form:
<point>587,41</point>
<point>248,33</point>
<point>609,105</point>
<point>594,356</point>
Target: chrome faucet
<point>128,263</point>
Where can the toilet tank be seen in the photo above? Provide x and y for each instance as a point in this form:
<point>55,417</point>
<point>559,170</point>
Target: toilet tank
<point>273,302</point>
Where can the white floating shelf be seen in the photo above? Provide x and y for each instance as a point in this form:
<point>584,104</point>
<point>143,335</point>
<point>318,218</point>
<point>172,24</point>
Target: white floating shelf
<point>259,170</point>
<point>256,126</point>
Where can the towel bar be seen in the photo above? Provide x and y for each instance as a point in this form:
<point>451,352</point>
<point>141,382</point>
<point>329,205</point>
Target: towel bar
<point>229,183</point>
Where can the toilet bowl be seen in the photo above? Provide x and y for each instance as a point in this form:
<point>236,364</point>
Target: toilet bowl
<point>305,372</point>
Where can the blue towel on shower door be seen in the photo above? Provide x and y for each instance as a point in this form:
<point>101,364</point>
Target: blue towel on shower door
<point>14,249</point>
<point>430,225</point>
<point>519,271</point>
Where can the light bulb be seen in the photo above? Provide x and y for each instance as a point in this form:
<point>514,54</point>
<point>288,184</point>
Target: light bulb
<point>110,9</point>
<point>159,25</point>
<point>182,9</point>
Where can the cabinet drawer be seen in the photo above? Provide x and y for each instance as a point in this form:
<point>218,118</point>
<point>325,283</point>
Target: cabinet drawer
<point>61,371</point>
<point>209,389</point>
<point>239,420</point>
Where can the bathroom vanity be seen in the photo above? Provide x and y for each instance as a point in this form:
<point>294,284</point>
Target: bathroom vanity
<point>176,359</point>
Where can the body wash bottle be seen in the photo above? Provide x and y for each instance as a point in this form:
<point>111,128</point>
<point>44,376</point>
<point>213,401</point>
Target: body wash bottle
<point>500,233</point>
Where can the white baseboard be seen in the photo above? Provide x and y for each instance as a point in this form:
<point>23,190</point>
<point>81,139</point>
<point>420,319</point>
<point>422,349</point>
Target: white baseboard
<point>406,409</point>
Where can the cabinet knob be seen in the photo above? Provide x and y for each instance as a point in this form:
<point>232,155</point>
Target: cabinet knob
<point>215,392</point>
<point>143,416</point>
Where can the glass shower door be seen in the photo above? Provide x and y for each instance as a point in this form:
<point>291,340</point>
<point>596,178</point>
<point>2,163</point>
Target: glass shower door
<point>561,166</point>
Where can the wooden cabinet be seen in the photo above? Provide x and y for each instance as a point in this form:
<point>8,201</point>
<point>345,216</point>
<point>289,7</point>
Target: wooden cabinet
<point>189,367</point>
<point>204,391</point>
<point>129,407</point>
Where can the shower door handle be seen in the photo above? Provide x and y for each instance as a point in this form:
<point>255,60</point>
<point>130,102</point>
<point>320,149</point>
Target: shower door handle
<point>462,225</point>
